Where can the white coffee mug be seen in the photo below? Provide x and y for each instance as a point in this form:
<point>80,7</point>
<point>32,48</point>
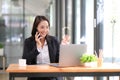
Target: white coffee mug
<point>22,62</point>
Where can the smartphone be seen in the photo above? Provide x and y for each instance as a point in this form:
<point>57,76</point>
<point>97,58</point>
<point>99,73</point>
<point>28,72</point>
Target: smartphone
<point>39,36</point>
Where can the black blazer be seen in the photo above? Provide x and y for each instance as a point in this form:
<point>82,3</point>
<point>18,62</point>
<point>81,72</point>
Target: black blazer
<point>30,54</point>
<point>30,51</point>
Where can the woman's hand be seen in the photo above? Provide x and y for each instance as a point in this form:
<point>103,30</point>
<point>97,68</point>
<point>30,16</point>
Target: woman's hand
<point>37,39</point>
<point>65,40</point>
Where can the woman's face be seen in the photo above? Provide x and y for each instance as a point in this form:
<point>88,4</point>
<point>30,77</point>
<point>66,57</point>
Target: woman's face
<point>43,28</point>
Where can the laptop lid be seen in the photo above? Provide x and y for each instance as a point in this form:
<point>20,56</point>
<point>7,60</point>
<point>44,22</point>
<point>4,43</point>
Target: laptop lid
<point>70,54</point>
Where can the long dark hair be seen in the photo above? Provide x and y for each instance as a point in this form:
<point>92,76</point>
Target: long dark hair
<point>37,20</point>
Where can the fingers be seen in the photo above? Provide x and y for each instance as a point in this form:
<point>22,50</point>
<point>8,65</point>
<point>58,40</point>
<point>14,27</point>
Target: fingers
<point>36,37</point>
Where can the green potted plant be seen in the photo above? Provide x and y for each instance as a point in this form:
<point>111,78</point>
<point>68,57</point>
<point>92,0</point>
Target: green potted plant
<point>1,49</point>
<point>89,60</point>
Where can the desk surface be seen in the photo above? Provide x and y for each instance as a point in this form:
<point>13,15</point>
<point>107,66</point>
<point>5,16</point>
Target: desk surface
<point>107,67</point>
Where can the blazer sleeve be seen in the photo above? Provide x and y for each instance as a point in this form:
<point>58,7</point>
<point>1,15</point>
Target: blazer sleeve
<point>29,52</point>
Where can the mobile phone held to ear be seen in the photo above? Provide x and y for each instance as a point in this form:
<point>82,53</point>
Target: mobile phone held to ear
<point>39,36</point>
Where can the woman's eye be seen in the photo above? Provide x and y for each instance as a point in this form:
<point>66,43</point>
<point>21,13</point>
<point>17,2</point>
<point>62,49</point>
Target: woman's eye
<point>42,27</point>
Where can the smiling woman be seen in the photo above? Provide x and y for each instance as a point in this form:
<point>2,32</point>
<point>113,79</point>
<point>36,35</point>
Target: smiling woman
<point>39,50</point>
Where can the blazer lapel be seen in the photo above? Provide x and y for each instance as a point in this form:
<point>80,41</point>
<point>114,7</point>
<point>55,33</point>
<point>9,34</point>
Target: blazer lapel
<point>50,48</point>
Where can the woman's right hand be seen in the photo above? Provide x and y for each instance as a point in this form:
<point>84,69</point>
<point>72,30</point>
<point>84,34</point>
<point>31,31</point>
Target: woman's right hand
<point>37,39</point>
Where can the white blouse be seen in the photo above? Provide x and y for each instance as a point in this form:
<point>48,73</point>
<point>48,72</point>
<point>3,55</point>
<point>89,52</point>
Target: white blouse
<point>43,57</point>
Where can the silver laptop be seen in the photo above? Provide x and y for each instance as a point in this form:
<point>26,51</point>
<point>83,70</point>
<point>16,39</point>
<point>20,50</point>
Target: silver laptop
<point>70,54</point>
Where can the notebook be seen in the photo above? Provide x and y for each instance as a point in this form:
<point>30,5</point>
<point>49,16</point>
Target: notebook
<point>70,55</point>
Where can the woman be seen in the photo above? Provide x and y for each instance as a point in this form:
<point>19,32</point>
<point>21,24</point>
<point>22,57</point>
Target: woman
<point>41,48</point>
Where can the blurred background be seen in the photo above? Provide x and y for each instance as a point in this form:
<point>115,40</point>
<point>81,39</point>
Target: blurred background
<point>92,22</point>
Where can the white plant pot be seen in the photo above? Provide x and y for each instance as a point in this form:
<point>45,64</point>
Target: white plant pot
<point>91,64</point>
<point>1,52</point>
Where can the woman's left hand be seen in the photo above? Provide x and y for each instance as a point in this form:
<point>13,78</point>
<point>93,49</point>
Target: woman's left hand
<point>65,40</point>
